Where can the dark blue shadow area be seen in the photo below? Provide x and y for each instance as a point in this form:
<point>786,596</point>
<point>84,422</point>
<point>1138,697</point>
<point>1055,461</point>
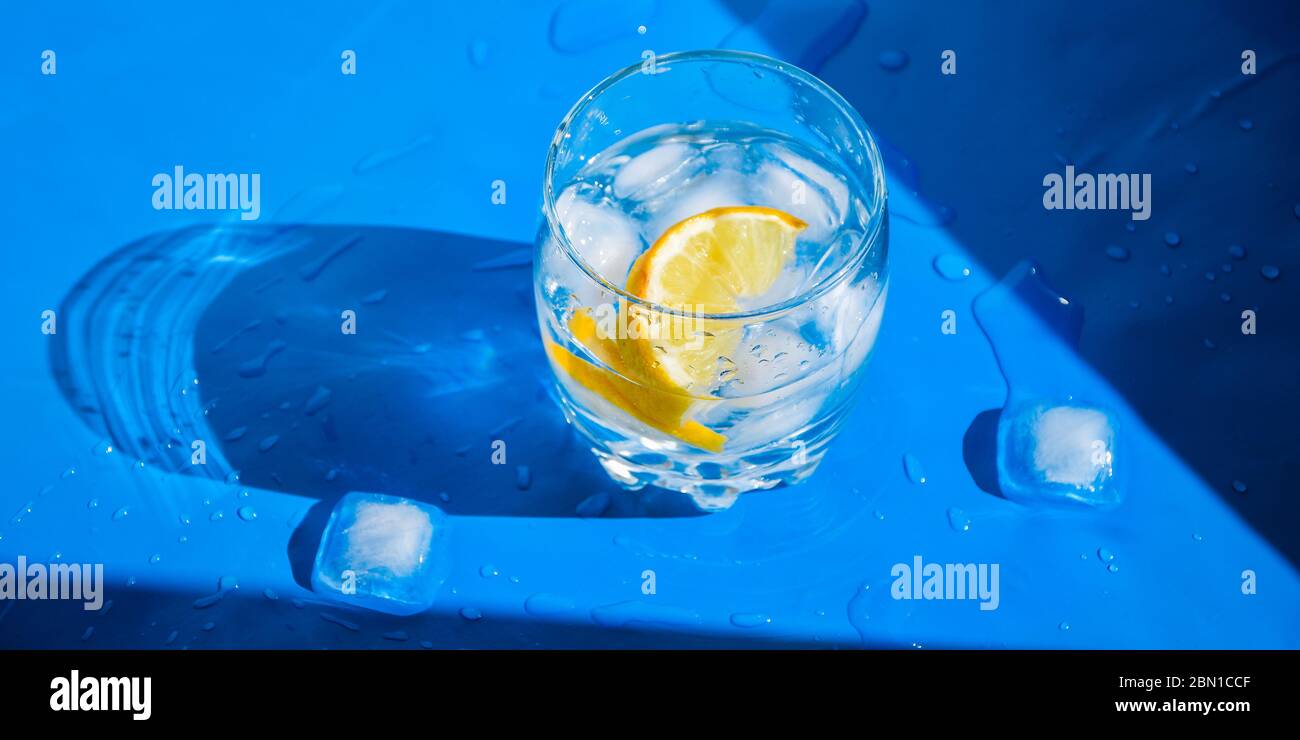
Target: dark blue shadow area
<point>144,620</point>
<point>317,360</point>
<point>979,450</point>
<point>1117,88</point>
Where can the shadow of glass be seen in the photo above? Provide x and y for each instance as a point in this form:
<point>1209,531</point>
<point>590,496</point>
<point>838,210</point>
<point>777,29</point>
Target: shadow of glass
<point>318,360</point>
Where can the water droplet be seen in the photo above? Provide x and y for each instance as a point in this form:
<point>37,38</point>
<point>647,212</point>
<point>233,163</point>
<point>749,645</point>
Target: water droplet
<point>246,513</point>
<point>594,505</point>
<point>523,477</point>
<point>155,559</point>
<point>958,520</point>
<point>1191,168</point>
<point>68,473</point>
<point>182,539</point>
<point>1173,239</point>
<point>92,504</point>
<point>913,469</point>
<point>478,52</point>
<point>217,516</point>
<point>641,30</point>
<point>489,571</point>
<point>1270,272</point>
<point>1210,275</point>
<point>340,621</point>
<point>1117,253</point>
<point>209,626</point>
<point>893,60</point>
<point>256,367</point>
<point>748,620</point>
<point>318,400</point>
<point>471,614</point>
<point>1105,555</point>
<point>121,514</point>
<point>270,595</point>
<point>1246,124</point>
<point>951,267</point>
<point>1164,270</point>
<point>207,601</point>
<point>1063,626</point>
<point>1237,251</point>
<point>1238,486</point>
<point>1197,536</point>
<point>548,605</point>
<point>1113,567</point>
<point>268,442</point>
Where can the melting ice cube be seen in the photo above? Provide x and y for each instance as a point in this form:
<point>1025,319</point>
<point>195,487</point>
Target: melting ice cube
<point>605,237</point>
<point>1062,453</point>
<point>657,170</point>
<point>805,189</point>
<point>383,553</point>
<point>705,192</point>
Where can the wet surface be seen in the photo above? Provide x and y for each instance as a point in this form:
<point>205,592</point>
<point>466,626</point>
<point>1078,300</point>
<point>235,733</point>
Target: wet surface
<point>378,200</point>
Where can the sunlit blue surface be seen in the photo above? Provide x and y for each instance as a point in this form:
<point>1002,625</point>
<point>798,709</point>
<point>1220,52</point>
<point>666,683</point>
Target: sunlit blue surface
<point>376,196</point>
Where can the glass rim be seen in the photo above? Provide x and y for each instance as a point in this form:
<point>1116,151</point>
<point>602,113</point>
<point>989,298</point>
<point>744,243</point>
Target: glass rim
<point>859,128</point>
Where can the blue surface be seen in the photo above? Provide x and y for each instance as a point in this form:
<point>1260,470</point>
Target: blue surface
<point>398,162</point>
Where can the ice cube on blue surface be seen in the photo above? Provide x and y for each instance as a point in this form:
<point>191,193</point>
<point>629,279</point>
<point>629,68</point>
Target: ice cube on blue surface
<point>383,553</point>
<point>1058,453</point>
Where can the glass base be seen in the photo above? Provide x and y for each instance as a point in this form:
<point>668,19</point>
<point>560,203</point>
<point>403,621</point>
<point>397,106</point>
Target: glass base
<point>713,481</point>
<point>709,494</point>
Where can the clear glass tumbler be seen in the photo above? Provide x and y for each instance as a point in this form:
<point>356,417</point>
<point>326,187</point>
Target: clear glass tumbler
<point>710,270</point>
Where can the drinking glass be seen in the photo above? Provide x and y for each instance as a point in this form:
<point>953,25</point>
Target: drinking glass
<point>710,402</point>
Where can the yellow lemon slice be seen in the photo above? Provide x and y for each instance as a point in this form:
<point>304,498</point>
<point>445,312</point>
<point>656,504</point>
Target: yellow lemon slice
<point>659,365</point>
<point>707,263</point>
<point>658,408</point>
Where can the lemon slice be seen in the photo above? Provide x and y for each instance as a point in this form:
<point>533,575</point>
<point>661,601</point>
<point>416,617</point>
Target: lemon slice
<point>668,363</point>
<point>707,263</point>
<point>659,408</point>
